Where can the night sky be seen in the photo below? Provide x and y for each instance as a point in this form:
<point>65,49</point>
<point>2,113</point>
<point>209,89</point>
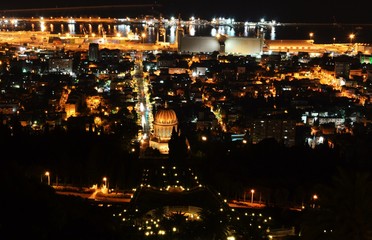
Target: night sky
<point>242,10</point>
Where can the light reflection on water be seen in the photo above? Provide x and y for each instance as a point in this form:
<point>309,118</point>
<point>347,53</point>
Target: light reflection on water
<point>322,34</point>
<point>129,30</point>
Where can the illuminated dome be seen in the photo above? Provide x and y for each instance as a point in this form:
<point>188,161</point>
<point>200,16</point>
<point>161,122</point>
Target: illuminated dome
<point>164,122</point>
<point>166,116</point>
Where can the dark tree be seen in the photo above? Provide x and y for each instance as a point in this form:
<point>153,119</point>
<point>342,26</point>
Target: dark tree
<point>178,149</point>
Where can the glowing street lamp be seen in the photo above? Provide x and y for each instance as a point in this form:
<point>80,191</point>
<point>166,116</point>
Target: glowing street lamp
<point>105,181</point>
<point>315,197</point>
<point>252,191</point>
<point>311,35</point>
<point>143,37</point>
<point>48,175</point>
<point>351,36</point>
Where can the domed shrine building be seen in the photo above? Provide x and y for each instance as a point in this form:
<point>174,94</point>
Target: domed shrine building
<point>164,122</point>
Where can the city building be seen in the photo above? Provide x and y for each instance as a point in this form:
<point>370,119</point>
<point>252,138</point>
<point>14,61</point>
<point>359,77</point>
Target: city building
<point>61,65</point>
<point>282,130</point>
<point>223,45</point>
<point>93,52</point>
<point>164,122</point>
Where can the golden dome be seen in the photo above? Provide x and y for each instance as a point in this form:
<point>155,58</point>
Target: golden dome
<point>166,116</point>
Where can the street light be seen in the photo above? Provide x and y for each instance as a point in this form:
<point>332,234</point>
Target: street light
<point>252,191</point>
<point>351,36</point>
<point>105,181</point>
<point>311,35</point>
<point>315,197</point>
<point>143,37</point>
<point>48,175</point>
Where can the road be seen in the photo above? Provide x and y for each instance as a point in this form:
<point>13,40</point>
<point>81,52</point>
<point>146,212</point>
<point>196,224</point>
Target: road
<point>97,195</point>
<point>143,106</point>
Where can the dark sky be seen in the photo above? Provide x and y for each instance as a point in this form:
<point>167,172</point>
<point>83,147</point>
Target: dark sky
<point>242,10</point>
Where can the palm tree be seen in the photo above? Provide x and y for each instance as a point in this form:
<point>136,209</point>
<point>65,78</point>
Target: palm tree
<point>215,224</point>
<point>178,218</point>
<point>176,224</point>
<point>159,213</point>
